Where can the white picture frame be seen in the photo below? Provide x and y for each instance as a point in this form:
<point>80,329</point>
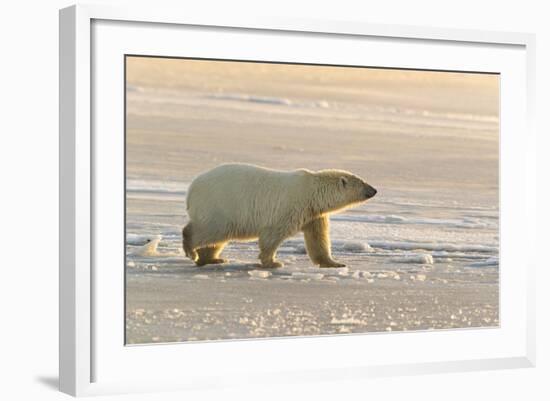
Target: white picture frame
<point>82,344</point>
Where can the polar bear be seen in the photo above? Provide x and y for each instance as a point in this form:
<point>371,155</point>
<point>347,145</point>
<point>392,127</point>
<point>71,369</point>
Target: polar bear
<point>243,202</point>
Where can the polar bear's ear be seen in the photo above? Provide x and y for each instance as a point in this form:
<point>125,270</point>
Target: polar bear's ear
<point>343,182</point>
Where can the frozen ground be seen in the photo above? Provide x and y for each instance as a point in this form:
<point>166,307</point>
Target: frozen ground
<point>422,254</point>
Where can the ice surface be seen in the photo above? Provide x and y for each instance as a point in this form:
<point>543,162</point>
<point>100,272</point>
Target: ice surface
<point>252,98</point>
<point>423,254</point>
<point>305,275</point>
<point>433,246</point>
<point>466,222</point>
<point>269,100</point>
<point>492,261</point>
<point>421,258</point>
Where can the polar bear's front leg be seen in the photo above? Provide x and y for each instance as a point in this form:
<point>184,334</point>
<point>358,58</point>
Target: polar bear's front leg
<point>269,241</point>
<point>316,235</point>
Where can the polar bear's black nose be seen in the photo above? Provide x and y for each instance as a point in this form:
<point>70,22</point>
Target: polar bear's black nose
<point>370,192</point>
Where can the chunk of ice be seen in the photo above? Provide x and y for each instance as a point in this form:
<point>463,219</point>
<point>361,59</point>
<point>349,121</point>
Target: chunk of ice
<point>342,271</point>
<point>420,277</point>
<point>354,246</point>
<point>419,258</point>
<point>149,248</point>
<point>259,273</point>
<point>313,276</point>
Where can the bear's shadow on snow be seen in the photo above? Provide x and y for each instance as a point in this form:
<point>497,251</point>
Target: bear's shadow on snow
<point>230,266</point>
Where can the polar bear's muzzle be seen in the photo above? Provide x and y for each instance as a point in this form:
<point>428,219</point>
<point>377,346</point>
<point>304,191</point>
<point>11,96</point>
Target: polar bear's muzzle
<point>369,191</point>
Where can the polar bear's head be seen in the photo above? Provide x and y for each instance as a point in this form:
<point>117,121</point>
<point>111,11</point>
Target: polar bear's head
<point>339,189</point>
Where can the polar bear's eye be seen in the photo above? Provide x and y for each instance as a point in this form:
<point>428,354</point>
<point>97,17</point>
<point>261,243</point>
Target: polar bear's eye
<point>343,181</point>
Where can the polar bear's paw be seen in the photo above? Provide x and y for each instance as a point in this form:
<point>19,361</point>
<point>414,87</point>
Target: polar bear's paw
<point>331,263</point>
<point>272,264</point>
<point>210,261</point>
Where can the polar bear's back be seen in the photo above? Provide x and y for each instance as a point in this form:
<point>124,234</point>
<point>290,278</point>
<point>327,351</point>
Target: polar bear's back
<point>245,197</point>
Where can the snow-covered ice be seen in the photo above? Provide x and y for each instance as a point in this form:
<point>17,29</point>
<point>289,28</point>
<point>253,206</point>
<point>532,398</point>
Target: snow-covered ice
<point>419,258</point>
<point>259,273</point>
<point>423,254</point>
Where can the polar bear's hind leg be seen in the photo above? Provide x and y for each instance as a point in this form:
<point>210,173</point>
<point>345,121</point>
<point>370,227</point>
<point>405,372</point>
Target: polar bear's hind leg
<point>187,235</point>
<point>210,255</point>
<point>203,241</point>
<point>269,241</point>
